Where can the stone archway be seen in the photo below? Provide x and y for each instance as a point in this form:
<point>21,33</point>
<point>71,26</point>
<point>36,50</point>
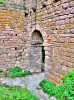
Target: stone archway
<point>37,56</point>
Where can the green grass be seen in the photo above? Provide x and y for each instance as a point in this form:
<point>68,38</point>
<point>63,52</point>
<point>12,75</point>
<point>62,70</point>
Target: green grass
<point>47,87</point>
<point>14,69</point>
<point>15,93</point>
<point>64,91</point>
<point>3,2</point>
<point>20,74</point>
<point>15,72</point>
<point>1,71</point>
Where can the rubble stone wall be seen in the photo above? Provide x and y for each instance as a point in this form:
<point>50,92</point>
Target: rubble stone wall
<point>13,38</point>
<point>56,24</point>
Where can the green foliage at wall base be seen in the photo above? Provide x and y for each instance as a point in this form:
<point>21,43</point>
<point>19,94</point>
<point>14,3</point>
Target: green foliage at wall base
<point>3,2</point>
<point>64,91</point>
<point>15,93</point>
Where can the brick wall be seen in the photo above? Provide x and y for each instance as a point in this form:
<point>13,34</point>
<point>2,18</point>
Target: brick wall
<point>13,36</point>
<point>56,23</point>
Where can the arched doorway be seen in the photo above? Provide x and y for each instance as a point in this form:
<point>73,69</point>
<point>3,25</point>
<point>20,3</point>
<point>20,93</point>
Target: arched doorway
<point>37,57</point>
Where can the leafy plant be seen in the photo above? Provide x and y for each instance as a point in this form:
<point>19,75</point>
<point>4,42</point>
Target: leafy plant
<point>47,87</point>
<point>15,69</point>
<point>20,74</point>
<point>1,71</point>
<point>15,93</point>
<point>3,2</point>
<point>69,78</point>
<point>17,72</point>
<point>64,91</point>
<point>24,6</point>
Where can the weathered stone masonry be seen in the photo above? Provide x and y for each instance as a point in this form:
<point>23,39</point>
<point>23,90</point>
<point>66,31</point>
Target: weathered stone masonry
<point>56,24</point>
<point>13,44</point>
<point>51,27</point>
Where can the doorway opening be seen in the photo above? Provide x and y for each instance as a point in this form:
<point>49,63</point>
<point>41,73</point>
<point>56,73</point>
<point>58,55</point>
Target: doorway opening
<point>37,59</point>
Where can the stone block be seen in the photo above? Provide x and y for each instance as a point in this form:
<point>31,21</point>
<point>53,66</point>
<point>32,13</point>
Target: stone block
<point>66,58</point>
<point>60,22</point>
<point>63,17</point>
<point>18,58</point>
<point>61,77</point>
<point>65,1</point>
<point>70,15</point>
<point>72,40</point>
<point>71,3</point>
<point>69,64</point>
<point>72,60</point>
<point>71,45</point>
<point>70,26</point>
<point>65,5</point>
<point>72,9</point>
<point>54,79</point>
<point>71,20</point>
<point>70,69</point>
<point>72,31</point>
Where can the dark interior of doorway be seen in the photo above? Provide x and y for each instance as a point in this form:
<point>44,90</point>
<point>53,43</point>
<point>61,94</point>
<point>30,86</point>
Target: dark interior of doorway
<point>43,59</point>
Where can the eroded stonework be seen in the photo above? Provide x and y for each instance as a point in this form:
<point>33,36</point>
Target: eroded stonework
<point>55,22</point>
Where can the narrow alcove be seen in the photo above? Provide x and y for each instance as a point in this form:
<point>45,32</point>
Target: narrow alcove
<point>37,58</point>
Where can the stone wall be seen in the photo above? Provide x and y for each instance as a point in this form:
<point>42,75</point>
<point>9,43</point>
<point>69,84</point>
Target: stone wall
<point>13,38</point>
<point>56,24</point>
<point>19,2</point>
